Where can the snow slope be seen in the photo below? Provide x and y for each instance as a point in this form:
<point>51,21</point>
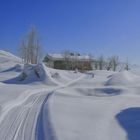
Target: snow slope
<point>8,61</point>
<point>135,69</point>
<point>91,112</point>
<point>7,56</point>
<point>122,78</point>
<point>63,105</point>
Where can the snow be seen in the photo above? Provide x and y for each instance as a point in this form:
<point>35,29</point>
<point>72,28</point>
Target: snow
<point>122,78</point>
<point>8,60</point>
<point>64,105</point>
<point>57,56</point>
<point>7,56</point>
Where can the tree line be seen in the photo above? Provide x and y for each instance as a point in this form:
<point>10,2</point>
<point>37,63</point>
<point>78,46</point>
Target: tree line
<point>99,63</point>
<point>111,63</point>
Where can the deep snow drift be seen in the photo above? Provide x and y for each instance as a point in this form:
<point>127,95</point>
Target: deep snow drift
<point>122,78</point>
<point>8,61</point>
<point>34,73</point>
<point>49,104</point>
<point>7,57</point>
<point>43,75</point>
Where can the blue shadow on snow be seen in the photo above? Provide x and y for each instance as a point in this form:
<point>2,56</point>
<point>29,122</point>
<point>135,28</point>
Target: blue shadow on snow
<point>16,68</point>
<point>129,119</point>
<point>109,91</point>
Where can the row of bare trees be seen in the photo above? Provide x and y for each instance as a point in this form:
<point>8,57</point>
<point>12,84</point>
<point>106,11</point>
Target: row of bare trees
<point>110,63</point>
<point>99,63</point>
<point>30,49</point>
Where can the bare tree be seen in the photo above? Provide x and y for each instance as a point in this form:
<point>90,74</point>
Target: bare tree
<point>127,65</point>
<point>101,62</point>
<point>23,51</point>
<point>33,46</point>
<point>96,64</point>
<point>115,62</point>
<point>108,64</point>
<point>30,49</point>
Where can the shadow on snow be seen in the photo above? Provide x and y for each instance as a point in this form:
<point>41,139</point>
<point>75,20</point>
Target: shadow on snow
<point>108,91</point>
<point>129,119</point>
<point>16,68</point>
<point>44,128</point>
<point>17,80</point>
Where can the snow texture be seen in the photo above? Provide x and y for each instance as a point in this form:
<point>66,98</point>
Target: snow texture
<point>49,104</point>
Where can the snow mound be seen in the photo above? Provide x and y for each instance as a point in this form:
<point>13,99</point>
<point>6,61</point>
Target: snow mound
<point>40,73</point>
<point>7,56</point>
<point>98,92</point>
<point>121,78</point>
<point>62,76</point>
<point>16,68</point>
<point>34,73</point>
<point>8,60</point>
<point>135,69</point>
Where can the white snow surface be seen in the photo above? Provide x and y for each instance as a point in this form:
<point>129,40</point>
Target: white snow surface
<point>57,56</point>
<point>64,105</point>
<point>123,78</point>
<point>8,60</point>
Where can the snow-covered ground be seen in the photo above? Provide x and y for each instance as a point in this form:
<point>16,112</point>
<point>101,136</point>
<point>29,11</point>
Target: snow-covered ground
<point>64,105</point>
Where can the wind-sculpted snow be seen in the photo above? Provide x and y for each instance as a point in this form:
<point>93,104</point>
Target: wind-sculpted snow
<point>18,117</point>
<point>84,111</point>
<point>16,68</point>
<point>8,60</point>
<point>100,92</point>
<point>22,117</point>
<point>7,56</point>
<point>122,78</point>
<point>31,74</point>
<point>41,74</point>
<point>50,104</point>
<point>45,131</point>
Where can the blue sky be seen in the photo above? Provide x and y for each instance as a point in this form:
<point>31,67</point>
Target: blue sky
<point>105,27</point>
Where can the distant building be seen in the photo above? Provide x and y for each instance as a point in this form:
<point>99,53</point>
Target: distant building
<point>69,61</point>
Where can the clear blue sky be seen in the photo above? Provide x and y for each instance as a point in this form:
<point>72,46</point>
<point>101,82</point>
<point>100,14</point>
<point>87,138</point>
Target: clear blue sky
<point>92,26</point>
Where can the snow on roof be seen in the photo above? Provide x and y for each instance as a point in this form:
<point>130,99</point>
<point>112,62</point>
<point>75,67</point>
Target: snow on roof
<point>56,56</point>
